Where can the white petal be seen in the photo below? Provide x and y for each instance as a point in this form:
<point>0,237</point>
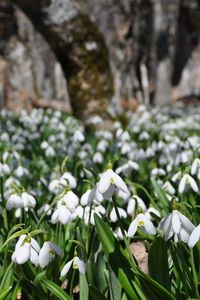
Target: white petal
<point>85,198</point>
<point>132,228</point>
<point>119,182</point>
<point>44,255</point>
<point>194,237</point>
<point>35,245</point>
<point>104,182</point>
<point>176,224</point>
<point>193,184</point>
<point>81,266</point>
<point>66,267</point>
<point>131,207</point>
<point>184,235</point>
<point>34,257</point>
<point>167,227</point>
<point>149,227</point>
<point>186,223</point>
<point>54,217</point>
<point>64,215</point>
<point>182,184</point>
<point>23,253</point>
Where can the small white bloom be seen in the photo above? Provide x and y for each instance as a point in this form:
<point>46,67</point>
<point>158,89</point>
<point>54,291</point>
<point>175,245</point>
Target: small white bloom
<point>178,225</point>
<point>134,202</point>
<point>29,200</point>
<point>109,179</point>
<point>14,201</point>
<point>194,237</point>
<point>144,223</point>
<point>186,182</point>
<point>62,214</point>
<point>167,187</point>
<point>78,136</point>
<point>71,200</point>
<point>47,253</point>
<point>25,249</point>
<point>68,179</point>
<point>113,215</point>
<point>76,263</point>
<point>54,186</point>
<point>195,166</point>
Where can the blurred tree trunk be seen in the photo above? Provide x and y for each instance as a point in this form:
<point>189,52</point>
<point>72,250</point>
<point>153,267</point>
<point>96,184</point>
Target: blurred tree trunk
<point>79,47</point>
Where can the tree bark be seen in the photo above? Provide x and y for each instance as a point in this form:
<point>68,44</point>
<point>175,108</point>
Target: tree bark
<point>80,48</point>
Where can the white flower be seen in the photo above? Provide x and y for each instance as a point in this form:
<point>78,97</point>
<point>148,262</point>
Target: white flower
<point>194,237</point>
<point>178,225</point>
<point>195,166</point>
<point>77,263</point>
<point>4,169</point>
<point>54,186</point>
<point>62,214</point>
<point>78,136</point>
<point>47,253</point>
<point>176,177</point>
<point>186,182</point>
<point>151,211</point>
<point>109,179</point>
<point>21,171</point>
<point>71,200</point>
<point>14,201</point>
<point>25,249</point>
<point>98,158</point>
<point>29,200</point>
<point>133,202</point>
<point>167,187</point>
<point>113,215</point>
<point>68,179</point>
<point>144,223</point>
<point>50,152</point>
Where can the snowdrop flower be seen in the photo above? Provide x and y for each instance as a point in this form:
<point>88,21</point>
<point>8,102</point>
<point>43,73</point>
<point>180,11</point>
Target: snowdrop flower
<point>167,187</point>
<point>178,225</point>
<point>21,171</point>
<point>118,233</point>
<point>25,249</point>
<point>44,145</point>
<point>14,201</point>
<point>144,223</point>
<point>109,179</point>
<point>113,215</point>
<point>102,145</point>
<point>71,200</point>
<point>62,214</point>
<point>29,200</point>
<point>78,136</point>
<point>158,172</point>
<point>194,237</point>
<point>195,166</point>
<point>134,202</point>
<point>126,168</point>
<point>186,182</point>
<point>54,186</point>
<point>50,152</point>
<point>4,169</point>
<point>68,179</point>
<point>176,177</point>
<point>47,253</point>
<point>98,158</point>
<point>76,263</point>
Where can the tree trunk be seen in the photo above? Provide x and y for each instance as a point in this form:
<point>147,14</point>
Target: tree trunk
<point>80,49</point>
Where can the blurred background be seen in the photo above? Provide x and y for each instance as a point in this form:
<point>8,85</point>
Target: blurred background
<point>86,56</point>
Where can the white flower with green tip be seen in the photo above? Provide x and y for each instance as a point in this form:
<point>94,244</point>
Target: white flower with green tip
<point>76,263</point>
<point>143,223</point>
<point>186,182</point>
<point>47,253</point>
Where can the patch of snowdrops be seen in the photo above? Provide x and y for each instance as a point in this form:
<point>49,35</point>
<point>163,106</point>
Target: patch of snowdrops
<point>71,199</point>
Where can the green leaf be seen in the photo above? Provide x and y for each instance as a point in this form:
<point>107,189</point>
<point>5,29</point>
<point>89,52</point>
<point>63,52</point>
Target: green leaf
<point>55,290</point>
<point>158,262</point>
<point>116,257</point>
<point>160,194</point>
<point>115,287</point>
<point>84,290</point>
<point>7,278</point>
<point>96,294</point>
<point>5,292</point>
<point>15,291</point>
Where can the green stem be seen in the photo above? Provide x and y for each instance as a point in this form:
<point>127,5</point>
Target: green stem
<point>4,212</point>
<point>195,278</point>
<point>88,230</point>
<point>124,236</point>
<point>71,284</point>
